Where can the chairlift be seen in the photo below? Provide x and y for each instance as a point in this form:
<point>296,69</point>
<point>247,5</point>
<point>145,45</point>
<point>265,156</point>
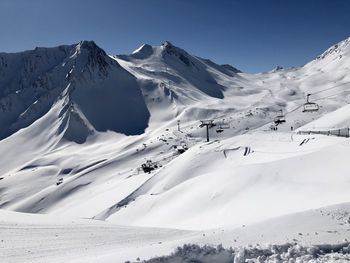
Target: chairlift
<point>208,124</point>
<point>219,130</point>
<point>280,118</point>
<point>310,106</point>
<point>222,126</point>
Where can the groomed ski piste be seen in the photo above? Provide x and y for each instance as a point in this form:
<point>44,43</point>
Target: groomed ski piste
<point>72,187</point>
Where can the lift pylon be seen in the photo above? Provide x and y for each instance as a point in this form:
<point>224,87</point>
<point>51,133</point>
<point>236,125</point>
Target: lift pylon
<point>208,124</point>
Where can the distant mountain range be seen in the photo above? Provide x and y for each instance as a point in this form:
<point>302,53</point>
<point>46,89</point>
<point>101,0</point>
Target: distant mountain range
<point>117,93</point>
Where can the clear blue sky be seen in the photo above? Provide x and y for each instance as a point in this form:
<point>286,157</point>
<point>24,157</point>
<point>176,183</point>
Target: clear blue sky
<point>252,35</point>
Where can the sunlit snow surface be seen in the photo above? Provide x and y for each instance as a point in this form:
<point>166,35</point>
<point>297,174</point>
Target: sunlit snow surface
<point>72,148</point>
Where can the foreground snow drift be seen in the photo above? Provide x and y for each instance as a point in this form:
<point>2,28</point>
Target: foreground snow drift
<point>41,238</point>
<point>46,238</point>
<point>275,253</point>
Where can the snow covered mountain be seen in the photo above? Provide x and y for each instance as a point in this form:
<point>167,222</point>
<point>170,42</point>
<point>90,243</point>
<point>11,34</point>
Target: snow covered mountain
<point>76,125</point>
<point>96,86</point>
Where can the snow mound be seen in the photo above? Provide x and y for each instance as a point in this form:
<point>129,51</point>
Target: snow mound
<point>273,253</point>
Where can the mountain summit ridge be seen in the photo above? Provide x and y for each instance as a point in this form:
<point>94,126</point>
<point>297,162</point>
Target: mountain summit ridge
<point>31,81</point>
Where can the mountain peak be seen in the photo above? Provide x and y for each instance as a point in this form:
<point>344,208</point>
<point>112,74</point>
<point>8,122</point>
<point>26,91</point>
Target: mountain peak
<point>91,54</point>
<point>172,50</point>
<point>89,46</point>
<point>167,44</point>
<point>142,52</point>
<point>142,48</point>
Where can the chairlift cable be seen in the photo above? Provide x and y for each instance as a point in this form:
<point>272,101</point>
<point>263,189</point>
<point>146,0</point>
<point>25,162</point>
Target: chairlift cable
<point>336,86</point>
<point>311,94</point>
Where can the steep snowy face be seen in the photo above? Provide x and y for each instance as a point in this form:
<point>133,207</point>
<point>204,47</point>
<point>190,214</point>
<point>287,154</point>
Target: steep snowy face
<point>21,70</point>
<point>169,49</point>
<point>87,54</point>
<point>230,68</point>
<point>193,70</point>
<point>182,55</point>
<point>338,50</point>
<point>107,95</point>
<point>28,87</point>
<point>194,78</point>
<point>336,56</point>
<point>143,52</point>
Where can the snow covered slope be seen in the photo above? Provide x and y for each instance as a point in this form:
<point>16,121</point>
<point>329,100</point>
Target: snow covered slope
<point>204,186</point>
<point>76,125</point>
<point>44,238</point>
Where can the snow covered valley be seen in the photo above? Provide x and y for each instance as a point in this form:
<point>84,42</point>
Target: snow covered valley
<point>78,129</point>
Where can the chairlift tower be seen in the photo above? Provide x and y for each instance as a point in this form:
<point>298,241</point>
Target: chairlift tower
<point>208,124</point>
<point>178,125</point>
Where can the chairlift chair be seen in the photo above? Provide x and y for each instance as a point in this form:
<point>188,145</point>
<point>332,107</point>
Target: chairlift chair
<point>279,119</point>
<point>225,125</point>
<point>310,106</point>
<point>222,126</point>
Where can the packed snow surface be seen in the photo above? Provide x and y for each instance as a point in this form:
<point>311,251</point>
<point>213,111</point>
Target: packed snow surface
<point>46,238</point>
